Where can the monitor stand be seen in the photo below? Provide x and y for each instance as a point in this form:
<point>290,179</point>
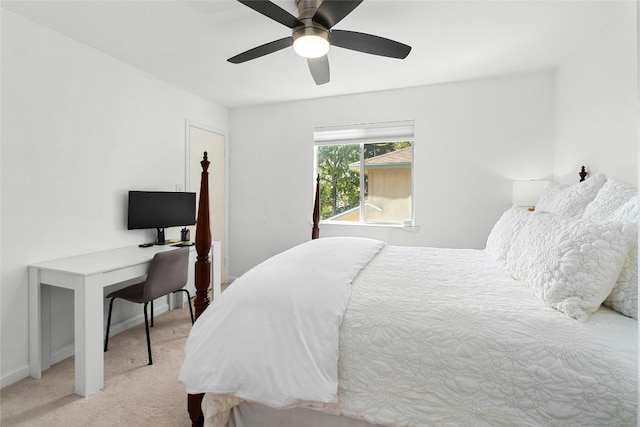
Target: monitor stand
<point>160,237</point>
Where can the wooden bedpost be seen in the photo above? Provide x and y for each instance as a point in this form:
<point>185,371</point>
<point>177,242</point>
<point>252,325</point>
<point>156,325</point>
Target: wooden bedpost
<point>202,275</point>
<point>583,174</point>
<point>203,243</point>
<point>315,231</point>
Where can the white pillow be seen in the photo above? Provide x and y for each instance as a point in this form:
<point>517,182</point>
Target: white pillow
<point>570,264</point>
<point>570,200</point>
<point>624,296</point>
<point>504,231</point>
<point>613,194</point>
<point>627,212</point>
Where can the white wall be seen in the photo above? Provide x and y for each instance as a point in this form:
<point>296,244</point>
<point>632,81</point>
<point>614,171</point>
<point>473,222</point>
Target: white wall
<point>596,92</point>
<point>472,139</point>
<point>79,129</point>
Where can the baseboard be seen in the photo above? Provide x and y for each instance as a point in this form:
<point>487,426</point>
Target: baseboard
<point>60,354</point>
<point>130,322</point>
<point>14,376</point>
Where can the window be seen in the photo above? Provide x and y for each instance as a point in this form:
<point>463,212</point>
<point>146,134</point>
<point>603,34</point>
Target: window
<point>365,172</point>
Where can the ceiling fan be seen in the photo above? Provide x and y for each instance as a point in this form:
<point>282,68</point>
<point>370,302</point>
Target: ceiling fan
<point>313,34</point>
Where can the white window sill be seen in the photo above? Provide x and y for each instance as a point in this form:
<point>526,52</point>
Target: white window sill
<point>413,228</point>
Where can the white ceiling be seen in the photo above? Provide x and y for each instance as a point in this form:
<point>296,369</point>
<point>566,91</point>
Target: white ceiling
<point>187,42</point>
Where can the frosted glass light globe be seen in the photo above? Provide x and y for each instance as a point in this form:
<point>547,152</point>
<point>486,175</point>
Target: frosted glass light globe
<point>311,46</point>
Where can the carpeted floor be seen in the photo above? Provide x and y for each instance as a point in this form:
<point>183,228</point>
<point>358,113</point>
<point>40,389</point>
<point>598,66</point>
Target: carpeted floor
<point>135,394</point>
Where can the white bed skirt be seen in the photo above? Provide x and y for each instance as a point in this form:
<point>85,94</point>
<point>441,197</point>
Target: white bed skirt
<point>254,414</point>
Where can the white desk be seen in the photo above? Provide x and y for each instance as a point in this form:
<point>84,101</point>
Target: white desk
<point>87,275</point>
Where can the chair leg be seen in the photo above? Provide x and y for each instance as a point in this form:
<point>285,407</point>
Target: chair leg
<point>189,301</point>
<point>106,339</point>
<point>190,309</point>
<point>146,324</point>
<point>152,313</point>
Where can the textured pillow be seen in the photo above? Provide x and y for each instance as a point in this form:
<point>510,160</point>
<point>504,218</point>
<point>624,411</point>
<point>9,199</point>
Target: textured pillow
<point>570,200</point>
<point>613,194</point>
<point>570,264</point>
<point>504,231</point>
<point>624,296</point>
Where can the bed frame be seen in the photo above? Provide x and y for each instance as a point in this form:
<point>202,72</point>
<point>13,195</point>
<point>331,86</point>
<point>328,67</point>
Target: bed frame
<point>203,264</point>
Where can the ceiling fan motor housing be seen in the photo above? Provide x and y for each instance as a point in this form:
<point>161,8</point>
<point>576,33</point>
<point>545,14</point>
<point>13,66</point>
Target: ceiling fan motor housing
<point>307,8</point>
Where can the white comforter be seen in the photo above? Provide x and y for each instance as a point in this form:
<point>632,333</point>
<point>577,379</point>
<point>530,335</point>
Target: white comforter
<point>273,336</point>
<point>442,337</point>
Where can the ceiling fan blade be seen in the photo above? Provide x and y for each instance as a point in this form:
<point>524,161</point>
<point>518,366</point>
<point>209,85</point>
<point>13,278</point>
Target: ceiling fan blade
<point>319,68</point>
<point>273,11</point>
<point>368,43</point>
<point>262,50</point>
<point>331,12</point>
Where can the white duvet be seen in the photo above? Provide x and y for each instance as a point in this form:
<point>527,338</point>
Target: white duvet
<point>273,335</point>
<point>442,337</point>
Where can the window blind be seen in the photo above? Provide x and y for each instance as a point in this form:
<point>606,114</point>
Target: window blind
<point>364,133</point>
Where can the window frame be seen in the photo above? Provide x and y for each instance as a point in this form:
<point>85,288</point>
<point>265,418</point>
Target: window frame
<point>362,134</point>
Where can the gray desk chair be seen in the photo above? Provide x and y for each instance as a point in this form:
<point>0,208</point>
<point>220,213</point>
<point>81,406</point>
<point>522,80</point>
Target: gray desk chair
<point>167,274</point>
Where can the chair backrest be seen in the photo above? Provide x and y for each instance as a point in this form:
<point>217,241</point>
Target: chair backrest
<point>168,272</point>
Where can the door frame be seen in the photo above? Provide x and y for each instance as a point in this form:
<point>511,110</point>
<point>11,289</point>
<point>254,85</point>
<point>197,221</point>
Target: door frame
<point>192,123</point>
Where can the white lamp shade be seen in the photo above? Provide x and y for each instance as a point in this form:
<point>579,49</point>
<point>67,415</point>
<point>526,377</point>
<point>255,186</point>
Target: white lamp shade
<point>527,193</point>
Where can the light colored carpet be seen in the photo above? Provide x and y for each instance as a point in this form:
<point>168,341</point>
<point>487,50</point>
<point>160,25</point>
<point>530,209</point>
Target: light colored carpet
<point>135,394</point>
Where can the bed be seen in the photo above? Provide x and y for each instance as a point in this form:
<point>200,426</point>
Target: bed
<point>537,329</point>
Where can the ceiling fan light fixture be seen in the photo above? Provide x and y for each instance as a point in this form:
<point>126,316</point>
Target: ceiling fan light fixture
<point>311,42</point>
<point>312,34</point>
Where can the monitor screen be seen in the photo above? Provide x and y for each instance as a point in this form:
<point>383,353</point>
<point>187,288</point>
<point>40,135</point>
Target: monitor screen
<point>160,209</point>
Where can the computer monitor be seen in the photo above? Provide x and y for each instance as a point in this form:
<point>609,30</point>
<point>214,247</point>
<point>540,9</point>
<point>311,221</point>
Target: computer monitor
<point>160,210</point>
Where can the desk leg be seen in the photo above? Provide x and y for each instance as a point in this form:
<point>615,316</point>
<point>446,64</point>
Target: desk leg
<point>176,300</point>
<point>45,326</point>
<point>35,331</point>
<point>88,321</point>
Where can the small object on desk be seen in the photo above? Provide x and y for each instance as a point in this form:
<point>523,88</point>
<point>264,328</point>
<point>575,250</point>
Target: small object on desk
<point>145,245</point>
<point>185,235</point>
<point>183,244</point>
